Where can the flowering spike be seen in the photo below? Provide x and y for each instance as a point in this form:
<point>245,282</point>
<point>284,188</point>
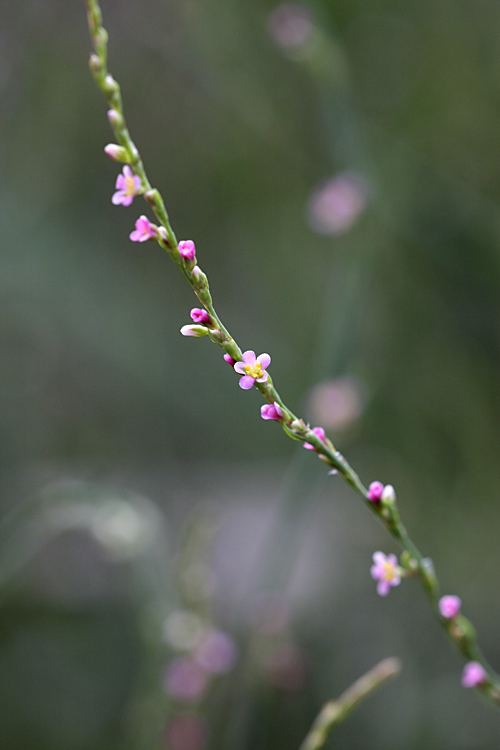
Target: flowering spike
<point>271,411</point>
<point>144,230</point>
<point>473,675</point>
<point>449,606</point>
<point>194,331</point>
<point>386,571</point>
<point>127,186</point>
<point>319,431</point>
<point>252,369</point>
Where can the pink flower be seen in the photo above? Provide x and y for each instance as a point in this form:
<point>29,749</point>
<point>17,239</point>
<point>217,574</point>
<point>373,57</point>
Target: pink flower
<point>386,571</point>
<point>319,431</point>
<point>127,186</point>
<point>473,675</point>
<point>187,249</point>
<point>185,680</point>
<point>144,230</point>
<point>252,368</point>
<point>229,359</point>
<point>375,491</point>
<point>271,411</point>
<point>216,652</point>
<point>200,316</point>
<point>449,606</point>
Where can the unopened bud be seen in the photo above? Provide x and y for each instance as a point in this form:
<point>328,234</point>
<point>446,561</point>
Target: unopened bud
<point>299,426</point>
<point>194,331</point>
<point>388,495</point>
<point>118,153</point>
<point>95,63</point>
<point>115,118</point>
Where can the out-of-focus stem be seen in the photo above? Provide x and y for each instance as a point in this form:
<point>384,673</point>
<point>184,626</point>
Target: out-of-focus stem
<point>334,712</point>
<point>460,632</point>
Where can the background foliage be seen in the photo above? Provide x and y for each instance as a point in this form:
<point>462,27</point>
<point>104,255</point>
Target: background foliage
<point>104,404</point>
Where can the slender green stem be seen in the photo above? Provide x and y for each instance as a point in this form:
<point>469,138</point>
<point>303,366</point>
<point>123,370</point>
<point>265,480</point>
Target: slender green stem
<point>459,630</point>
<point>334,712</point>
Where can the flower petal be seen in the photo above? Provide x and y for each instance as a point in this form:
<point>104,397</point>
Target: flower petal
<point>246,382</point>
<point>383,588</point>
<point>248,357</point>
<point>239,368</point>
<point>117,198</point>
<point>265,360</point>
<point>264,378</point>
<point>379,558</point>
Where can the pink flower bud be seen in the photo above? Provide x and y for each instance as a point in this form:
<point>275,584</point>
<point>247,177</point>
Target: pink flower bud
<point>116,152</point>
<point>473,675</point>
<point>187,249</point>
<point>319,432</point>
<point>449,606</point>
<point>375,491</point>
<point>114,116</point>
<point>194,331</point>
<point>200,316</point>
<point>271,411</point>
<point>229,359</point>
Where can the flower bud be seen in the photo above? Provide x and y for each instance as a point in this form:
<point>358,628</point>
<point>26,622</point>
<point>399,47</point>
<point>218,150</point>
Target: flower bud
<point>118,153</point>
<point>195,331</point>
<point>388,495</point>
<point>115,118</point>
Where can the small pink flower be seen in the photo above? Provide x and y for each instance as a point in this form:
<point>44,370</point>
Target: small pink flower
<point>375,491</point>
<point>252,368</point>
<point>229,359</point>
<point>200,316</point>
<point>449,606</point>
<point>187,249</point>
<point>216,652</point>
<point>127,186</point>
<point>271,411</point>
<point>473,675</point>
<point>144,230</point>
<point>319,431</point>
<point>386,571</point>
<point>185,680</point>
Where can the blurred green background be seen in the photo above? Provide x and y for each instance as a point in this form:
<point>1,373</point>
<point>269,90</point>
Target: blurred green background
<point>338,166</point>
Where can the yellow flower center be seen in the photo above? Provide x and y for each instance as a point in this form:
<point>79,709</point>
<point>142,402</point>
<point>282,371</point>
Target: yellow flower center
<point>390,572</point>
<point>130,185</point>
<point>255,370</point>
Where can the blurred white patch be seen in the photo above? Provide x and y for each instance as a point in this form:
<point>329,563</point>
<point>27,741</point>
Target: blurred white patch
<point>338,203</point>
<point>336,404</point>
<point>122,529</point>
<point>291,26</point>
<point>183,630</point>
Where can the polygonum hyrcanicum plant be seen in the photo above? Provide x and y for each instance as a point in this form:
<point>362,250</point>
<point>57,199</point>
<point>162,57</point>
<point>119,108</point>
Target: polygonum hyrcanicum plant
<point>253,370</point>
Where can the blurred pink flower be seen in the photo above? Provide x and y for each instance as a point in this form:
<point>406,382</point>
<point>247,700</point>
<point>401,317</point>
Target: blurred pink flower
<point>449,606</point>
<point>127,186</point>
<point>252,368</point>
<point>144,230</point>
<point>186,733</point>
<point>336,205</point>
<point>290,25</point>
<point>271,411</point>
<point>319,431</point>
<point>185,680</point>
<point>216,652</point>
<point>375,491</point>
<point>336,403</point>
<point>473,675</point>
<point>187,249</point>
<point>386,571</point>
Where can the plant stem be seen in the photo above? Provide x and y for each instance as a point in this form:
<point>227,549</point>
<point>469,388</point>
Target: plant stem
<point>459,630</point>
